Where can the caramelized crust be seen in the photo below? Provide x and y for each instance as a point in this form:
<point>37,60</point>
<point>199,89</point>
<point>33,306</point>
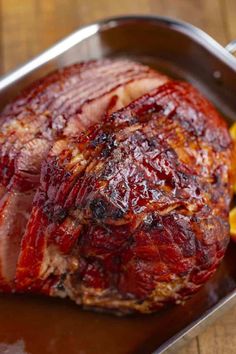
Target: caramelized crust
<point>133,213</point>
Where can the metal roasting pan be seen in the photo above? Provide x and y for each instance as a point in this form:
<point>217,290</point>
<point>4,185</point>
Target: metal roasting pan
<point>40,325</point>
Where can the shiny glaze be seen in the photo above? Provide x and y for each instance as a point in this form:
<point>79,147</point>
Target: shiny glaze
<point>137,207</point>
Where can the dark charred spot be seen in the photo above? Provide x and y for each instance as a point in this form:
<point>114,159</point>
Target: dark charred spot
<point>109,170</point>
<point>118,214</point>
<point>99,209</point>
<point>195,218</point>
<point>110,144</point>
<point>158,225</point>
<point>60,214</point>
<point>48,210</point>
<point>184,179</point>
<point>107,139</point>
<point>68,174</point>
<point>106,152</point>
<point>60,284</point>
<point>54,213</point>
<point>100,139</point>
<point>153,222</point>
<point>152,142</point>
<point>216,179</point>
<point>133,120</point>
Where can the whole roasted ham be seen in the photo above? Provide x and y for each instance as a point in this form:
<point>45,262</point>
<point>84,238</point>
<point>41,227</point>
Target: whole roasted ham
<point>120,209</point>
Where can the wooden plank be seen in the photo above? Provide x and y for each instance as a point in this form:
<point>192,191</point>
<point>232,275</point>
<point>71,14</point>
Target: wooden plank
<point>220,337</point>
<point>191,347</point>
<point>229,9</point>
<point>30,26</point>
<point>198,12</point>
<point>18,38</point>
<point>89,11</point>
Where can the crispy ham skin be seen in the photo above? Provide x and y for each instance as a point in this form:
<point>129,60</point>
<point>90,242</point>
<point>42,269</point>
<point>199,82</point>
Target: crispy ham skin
<point>61,105</point>
<point>132,214</point>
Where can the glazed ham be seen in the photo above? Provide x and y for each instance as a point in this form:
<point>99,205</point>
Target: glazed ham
<point>133,213</point>
<point>62,104</point>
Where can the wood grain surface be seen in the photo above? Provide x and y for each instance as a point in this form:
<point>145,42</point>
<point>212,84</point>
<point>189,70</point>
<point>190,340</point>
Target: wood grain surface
<point>29,26</point>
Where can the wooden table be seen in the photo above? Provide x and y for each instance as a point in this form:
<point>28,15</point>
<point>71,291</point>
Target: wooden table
<point>29,26</point>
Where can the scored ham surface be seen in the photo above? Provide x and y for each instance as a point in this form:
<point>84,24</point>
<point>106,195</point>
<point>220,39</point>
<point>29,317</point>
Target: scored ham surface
<point>133,213</point>
<point>62,104</point>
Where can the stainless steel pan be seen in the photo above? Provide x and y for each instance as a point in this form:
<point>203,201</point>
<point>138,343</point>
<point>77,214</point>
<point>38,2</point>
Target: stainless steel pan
<point>182,51</point>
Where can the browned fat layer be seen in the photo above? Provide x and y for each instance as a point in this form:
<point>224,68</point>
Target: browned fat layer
<point>110,300</point>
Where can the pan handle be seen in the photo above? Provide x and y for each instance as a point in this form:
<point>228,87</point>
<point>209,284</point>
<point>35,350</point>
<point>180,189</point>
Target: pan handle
<point>231,47</point>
